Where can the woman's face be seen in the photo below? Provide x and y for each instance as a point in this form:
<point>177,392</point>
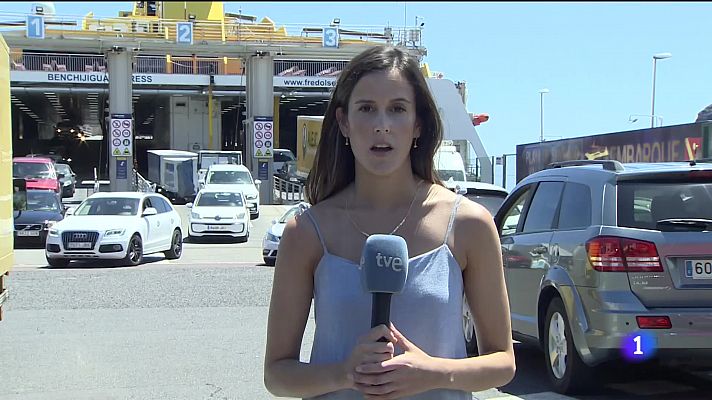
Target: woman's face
<point>381,122</point>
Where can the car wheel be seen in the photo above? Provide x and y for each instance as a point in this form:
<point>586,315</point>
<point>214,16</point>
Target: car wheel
<point>58,262</point>
<point>468,328</point>
<point>134,253</point>
<point>567,372</point>
<point>176,246</point>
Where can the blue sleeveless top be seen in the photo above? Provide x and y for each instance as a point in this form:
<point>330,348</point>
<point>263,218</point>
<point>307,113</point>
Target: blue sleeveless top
<point>428,311</point>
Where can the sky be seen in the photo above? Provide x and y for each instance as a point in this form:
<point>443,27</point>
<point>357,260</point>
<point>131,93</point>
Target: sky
<point>596,59</point>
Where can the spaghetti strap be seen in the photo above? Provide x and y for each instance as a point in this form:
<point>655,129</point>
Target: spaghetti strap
<point>452,217</point>
<point>316,226</point>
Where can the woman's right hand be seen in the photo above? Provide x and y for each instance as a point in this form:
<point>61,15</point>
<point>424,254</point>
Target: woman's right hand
<point>369,350</point>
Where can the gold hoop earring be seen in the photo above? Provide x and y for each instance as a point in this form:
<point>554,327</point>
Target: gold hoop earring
<point>347,140</point>
<point>415,143</point>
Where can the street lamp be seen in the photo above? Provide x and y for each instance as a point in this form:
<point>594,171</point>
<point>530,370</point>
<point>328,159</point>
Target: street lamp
<point>656,57</point>
<point>541,111</point>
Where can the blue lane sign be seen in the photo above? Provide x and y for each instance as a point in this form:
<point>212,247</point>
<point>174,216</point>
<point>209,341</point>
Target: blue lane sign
<point>122,170</point>
<point>262,171</point>
<point>35,27</point>
<point>331,37</point>
<point>184,32</point>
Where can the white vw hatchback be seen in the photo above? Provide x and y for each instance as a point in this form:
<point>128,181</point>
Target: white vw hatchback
<point>220,210</point>
<point>116,226</point>
<point>239,177</point>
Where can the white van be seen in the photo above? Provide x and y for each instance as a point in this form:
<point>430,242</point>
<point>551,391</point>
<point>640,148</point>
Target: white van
<point>231,174</point>
<point>449,165</point>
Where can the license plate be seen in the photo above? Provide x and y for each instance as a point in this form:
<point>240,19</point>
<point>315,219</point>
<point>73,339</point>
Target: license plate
<point>698,269</point>
<point>79,245</point>
<point>28,233</point>
<point>217,227</point>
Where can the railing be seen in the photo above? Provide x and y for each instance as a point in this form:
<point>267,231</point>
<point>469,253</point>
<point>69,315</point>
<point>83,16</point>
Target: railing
<point>308,68</point>
<point>58,62</point>
<point>142,184</point>
<point>229,30</point>
<point>153,64</point>
<point>286,192</point>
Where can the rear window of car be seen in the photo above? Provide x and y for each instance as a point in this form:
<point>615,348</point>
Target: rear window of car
<point>643,204</point>
<point>490,201</point>
<point>283,156</point>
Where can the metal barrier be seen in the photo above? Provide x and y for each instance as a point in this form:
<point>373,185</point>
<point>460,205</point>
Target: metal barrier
<point>151,64</point>
<point>142,184</point>
<point>308,68</point>
<point>286,192</point>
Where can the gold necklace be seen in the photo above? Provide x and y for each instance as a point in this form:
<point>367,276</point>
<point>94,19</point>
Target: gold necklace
<point>397,226</point>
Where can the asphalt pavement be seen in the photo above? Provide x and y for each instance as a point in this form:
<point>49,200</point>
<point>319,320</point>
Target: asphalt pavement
<point>195,328</point>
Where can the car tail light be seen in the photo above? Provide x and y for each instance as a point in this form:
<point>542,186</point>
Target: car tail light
<point>658,322</point>
<point>614,254</point>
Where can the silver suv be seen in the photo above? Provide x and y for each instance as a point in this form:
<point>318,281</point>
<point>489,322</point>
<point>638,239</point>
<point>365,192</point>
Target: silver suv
<point>597,250</point>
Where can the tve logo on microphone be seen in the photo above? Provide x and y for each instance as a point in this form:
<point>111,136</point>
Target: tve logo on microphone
<point>393,262</point>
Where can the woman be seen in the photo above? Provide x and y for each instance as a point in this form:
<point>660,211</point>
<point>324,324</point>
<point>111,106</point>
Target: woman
<point>373,173</point>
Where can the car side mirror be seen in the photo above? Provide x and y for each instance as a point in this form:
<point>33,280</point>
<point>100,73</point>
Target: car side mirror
<point>149,211</point>
<point>189,205</point>
<point>258,182</point>
<point>69,211</point>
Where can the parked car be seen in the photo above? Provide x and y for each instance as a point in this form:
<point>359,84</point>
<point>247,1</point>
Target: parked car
<point>281,156</point>
<point>68,181</point>
<point>270,243</point>
<point>43,209</point>
<point>491,197</point>
<point>116,226</point>
<point>38,172</point>
<point>596,251</point>
<point>219,210</point>
<point>240,177</point>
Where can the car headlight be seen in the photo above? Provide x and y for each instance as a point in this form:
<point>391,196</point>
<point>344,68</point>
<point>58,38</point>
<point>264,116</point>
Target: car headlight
<point>53,232</point>
<point>67,183</point>
<point>114,232</point>
<point>251,197</point>
<point>194,215</point>
<point>48,224</point>
<point>272,238</point>
<point>240,215</point>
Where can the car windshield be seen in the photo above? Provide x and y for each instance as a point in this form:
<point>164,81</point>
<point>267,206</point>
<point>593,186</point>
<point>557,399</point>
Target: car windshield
<point>64,169</point>
<point>229,177</point>
<point>491,202</point>
<point>31,170</point>
<point>643,204</point>
<point>42,201</point>
<point>108,206</point>
<point>291,213</point>
<point>219,199</point>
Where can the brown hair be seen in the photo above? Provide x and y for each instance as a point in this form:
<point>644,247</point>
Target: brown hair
<point>333,167</point>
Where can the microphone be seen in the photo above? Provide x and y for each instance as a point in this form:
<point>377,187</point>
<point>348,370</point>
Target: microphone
<point>384,269</point>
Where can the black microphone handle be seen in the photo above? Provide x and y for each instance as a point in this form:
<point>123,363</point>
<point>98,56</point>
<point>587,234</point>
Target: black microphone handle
<point>381,311</point>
